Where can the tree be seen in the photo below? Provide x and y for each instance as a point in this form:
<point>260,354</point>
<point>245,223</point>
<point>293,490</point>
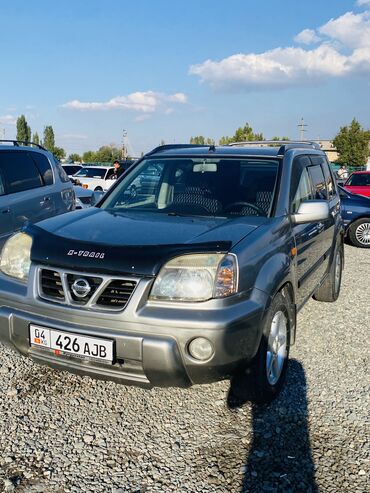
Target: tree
<point>200,140</point>
<point>49,139</point>
<point>75,158</point>
<point>36,138</point>
<point>242,134</point>
<point>352,144</point>
<point>107,153</point>
<point>89,157</point>
<point>59,153</point>
<point>23,129</point>
<point>280,138</point>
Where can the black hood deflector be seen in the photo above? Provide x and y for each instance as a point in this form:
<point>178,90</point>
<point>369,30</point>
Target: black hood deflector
<point>135,260</point>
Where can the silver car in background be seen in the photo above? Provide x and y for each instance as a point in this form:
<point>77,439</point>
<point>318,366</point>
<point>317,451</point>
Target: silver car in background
<point>33,186</point>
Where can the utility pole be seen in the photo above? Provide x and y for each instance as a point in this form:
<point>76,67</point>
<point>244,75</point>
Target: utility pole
<point>124,144</point>
<point>302,129</point>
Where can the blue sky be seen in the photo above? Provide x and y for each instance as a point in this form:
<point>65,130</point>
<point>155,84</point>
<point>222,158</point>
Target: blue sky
<point>172,69</point>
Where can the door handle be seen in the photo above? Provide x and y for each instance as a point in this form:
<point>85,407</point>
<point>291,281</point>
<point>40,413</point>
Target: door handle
<point>45,200</point>
<point>5,211</point>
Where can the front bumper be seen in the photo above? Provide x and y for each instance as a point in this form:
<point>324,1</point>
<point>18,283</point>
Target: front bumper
<point>151,339</point>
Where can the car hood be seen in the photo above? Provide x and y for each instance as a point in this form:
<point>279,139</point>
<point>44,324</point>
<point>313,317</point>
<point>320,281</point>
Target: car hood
<point>136,243</point>
<point>365,190</point>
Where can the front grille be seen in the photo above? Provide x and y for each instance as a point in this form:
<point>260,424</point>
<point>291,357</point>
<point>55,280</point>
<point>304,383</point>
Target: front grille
<point>104,292</point>
<point>51,284</point>
<point>117,293</point>
<point>94,283</point>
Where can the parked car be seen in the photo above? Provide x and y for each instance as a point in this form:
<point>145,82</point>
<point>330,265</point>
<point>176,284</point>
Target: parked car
<point>359,183</point>
<point>197,282</point>
<point>33,186</point>
<point>98,178</point>
<point>146,182</point>
<point>85,197</point>
<point>355,211</point>
<point>71,169</point>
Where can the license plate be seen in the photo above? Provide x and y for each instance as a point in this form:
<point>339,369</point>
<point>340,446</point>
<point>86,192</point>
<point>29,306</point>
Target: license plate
<point>72,344</point>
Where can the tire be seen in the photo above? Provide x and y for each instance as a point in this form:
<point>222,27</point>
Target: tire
<point>262,380</point>
<point>359,233</point>
<point>98,189</point>
<point>133,191</point>
<point>330,288</point>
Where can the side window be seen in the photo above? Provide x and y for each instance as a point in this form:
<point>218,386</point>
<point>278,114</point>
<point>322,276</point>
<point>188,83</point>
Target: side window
<point>44,167</point>
<point>303,191</point>
<point>62,174</point>
<point>318,182</point>
<point>2,186</point>
<point>330,186</point>
<point>19,171</point>
<point>110,175</point>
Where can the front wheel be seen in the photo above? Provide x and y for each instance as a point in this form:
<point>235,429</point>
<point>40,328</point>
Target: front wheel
<point>98,189</point>
<point>261,382</point>
<point>359,233</point>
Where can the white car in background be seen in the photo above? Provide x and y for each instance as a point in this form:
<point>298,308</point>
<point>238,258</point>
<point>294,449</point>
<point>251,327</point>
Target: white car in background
<point>97,178</point>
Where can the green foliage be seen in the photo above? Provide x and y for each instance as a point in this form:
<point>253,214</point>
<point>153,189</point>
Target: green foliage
<point>242,134</point>
<point>49,139</point>
<point>36,138</point>
<point>75,158</point>
<point>200,140</point>
<point>23,129</point>
<point>280,138</point>
<point>59,153</point>
<point>352,143</point>
<point>105,154</point>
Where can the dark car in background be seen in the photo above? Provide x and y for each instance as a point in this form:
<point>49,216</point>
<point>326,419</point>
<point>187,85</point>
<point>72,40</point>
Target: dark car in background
<point>33,186</point>
<point>355,211</point>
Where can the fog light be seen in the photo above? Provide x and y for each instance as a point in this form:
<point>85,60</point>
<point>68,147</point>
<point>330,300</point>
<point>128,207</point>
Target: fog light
<point>200,348</point>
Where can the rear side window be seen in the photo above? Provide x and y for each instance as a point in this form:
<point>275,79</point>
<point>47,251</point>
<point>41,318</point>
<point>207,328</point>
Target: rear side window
<point>44,167</point>
<point>19,171</point>
<point>62,174</point>
<point>318,182</point>
<point>318,160</point>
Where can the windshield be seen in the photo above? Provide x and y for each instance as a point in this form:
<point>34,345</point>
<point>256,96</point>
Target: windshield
<point>92,172</point>
<point>359,180</point>
<point>197,186</point>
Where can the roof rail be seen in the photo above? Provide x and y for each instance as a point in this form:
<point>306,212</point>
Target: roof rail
<point>174,146</point>
<point>284,145</point>
<point>23,142</point>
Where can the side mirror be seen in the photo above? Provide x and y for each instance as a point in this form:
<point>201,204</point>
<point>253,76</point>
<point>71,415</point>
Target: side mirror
<point>311,211</point>
<point>96,197</point>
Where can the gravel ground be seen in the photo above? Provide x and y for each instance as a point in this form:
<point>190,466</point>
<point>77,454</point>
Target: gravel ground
<point>63,433</point>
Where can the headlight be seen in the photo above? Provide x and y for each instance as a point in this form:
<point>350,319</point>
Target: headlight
<point>15,258</point>
<point>198,277</point>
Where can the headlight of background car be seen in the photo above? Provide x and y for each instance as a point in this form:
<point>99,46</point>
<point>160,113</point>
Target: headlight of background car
<point>15,258</point>
<point>198,277</point>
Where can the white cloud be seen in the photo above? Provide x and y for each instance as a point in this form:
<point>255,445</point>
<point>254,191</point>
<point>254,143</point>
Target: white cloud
<point>73,136</point>
<point>307,37</point>
<point>344,50</point>
<point>8,120</point>
<point>363,3</point>
<point>146,102</point>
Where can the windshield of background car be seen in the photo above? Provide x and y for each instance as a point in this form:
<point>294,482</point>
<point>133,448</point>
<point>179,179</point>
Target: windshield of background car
<point>92,173</point>
<point>359,180</point>
<point>197,186</point>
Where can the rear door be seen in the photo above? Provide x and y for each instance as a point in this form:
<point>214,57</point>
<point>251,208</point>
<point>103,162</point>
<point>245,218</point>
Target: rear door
<point>309,238</point>
<point>28,197</point>
<point>6,216</point>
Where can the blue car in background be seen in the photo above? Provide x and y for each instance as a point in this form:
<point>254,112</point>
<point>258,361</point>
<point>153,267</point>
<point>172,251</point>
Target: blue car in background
<point>355,211</point>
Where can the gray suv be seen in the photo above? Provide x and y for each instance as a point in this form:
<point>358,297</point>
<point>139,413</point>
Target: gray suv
<point>33,186</point>
<point>195,280</point>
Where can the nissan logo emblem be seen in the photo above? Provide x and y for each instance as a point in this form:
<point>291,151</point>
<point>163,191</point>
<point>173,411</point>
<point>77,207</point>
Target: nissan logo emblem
<point>81,288</point>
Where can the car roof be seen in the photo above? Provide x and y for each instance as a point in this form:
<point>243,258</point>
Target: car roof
<point>97,167</point>
<point>21,148</point>
<point>244,149</point>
